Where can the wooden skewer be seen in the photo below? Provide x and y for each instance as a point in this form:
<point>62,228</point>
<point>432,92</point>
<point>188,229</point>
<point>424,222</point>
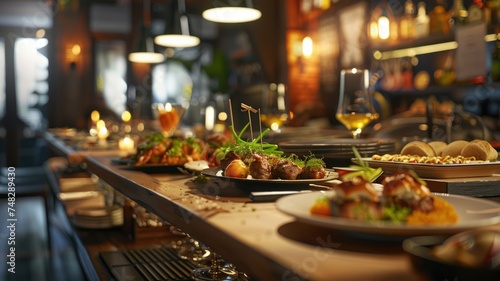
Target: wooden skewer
<point>249,109</point>
<point>260,129</point>
<point>246,107</point>
<point>231,113</point>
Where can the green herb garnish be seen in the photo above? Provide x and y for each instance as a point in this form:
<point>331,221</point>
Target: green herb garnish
<point>243,147</point>
<point>363,170</point>
<point>395,214</point>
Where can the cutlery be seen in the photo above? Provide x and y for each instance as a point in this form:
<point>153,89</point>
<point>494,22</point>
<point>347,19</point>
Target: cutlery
<point>270,196</point>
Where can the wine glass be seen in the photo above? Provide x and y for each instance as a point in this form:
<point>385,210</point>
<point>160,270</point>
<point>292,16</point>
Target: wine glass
<point>355,108</point>
<point>189,248</point>
<point>219,270</point>
<point>274,112</point>
<point>169,116</point>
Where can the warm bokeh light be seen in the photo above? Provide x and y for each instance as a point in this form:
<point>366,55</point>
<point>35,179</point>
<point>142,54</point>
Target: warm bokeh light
<point>126,116</point>
<point>76,50</point>
<point>384,27</point>
<point>222,116</point>
<point>126,144</point>
<point>95,116</point>
<point>307,47</point>
<point>209,118</point>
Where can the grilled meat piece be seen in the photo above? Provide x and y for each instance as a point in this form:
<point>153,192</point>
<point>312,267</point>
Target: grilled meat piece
<point>286,170</point>
<point>260,168</point>
<point>425,204</point>
<point>308,173</point>
<point>405,190</point>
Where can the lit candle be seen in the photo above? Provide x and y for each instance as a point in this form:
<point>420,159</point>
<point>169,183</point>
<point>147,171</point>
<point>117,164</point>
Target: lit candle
<point>102,131</point>
<point>126,144</point>
<point>209,118</point>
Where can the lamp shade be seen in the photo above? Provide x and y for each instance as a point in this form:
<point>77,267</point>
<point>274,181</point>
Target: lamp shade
<point>177,33</point>
<point>144,51</point>
<point>178,40</point>
<point>231,11</point>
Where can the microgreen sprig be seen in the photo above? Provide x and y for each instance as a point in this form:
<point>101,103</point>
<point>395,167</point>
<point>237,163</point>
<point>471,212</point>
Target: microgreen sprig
<point>255,145</point>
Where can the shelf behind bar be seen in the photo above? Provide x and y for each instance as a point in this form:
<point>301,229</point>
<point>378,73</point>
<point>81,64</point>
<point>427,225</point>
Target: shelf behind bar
<point>429,45</point>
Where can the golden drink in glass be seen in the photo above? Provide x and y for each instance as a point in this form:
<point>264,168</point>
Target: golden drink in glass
<point>355,108</point>
<point>169,117</point>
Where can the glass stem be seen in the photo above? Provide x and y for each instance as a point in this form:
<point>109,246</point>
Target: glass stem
<point>214,266</point>
<point>356,133</point>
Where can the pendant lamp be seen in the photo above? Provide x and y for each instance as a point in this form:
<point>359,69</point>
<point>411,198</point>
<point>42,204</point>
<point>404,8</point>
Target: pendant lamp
<point>144,51</point>
<point>181,37</point>
<point>231,11</point>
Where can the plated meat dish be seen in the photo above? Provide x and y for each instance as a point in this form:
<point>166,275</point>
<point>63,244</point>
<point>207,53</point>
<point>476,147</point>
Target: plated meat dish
<point>261,160</point>
<point>404,198</point>
<point>261,166</point>
<point>159,150</point>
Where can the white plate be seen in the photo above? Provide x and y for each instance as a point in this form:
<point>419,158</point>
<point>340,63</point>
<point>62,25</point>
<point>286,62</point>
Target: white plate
<point>299,206</point>
<point>438,171</point>
<point>196,166</point>
<point>78,195</point>
<point>98,217</point>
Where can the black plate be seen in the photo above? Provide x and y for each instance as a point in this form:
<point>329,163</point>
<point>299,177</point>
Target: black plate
<point>217,173</point>
<point>119,161</point>
<point>419,248</point>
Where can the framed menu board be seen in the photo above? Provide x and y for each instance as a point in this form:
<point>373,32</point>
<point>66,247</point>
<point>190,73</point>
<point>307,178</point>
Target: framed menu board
<point>353,39</point>
<point>343,43</point>
<point>328,39</point>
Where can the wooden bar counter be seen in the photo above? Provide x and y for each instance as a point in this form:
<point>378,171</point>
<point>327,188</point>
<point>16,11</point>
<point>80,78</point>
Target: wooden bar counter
<point>257,238</point>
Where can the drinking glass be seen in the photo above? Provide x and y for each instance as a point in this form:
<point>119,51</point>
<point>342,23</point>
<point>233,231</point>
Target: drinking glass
<point>218,270</point>
<point>189,248</point>
<point>274,112</point>
<point>355,108</point>
<point>169,115</point>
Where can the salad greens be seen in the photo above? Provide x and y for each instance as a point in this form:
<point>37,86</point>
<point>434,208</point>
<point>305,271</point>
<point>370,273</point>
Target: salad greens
<point>362,169</point>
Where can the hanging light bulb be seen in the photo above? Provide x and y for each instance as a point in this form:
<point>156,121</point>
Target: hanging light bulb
<point>182,39</point>
<point>232,12</point>
<point>307,46</point>
<point>384,27</point>
<point>144,52</point>
<point>386,23</point>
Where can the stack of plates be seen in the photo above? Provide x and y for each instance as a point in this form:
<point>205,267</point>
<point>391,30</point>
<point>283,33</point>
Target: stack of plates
<point>386,146</point>
<point>338,149</point>
<point>98,217</point>
<point>81,199</point>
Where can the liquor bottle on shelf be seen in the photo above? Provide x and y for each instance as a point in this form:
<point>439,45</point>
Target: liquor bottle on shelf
<point>476,13</point>
<point>421,21</point>
<point>493,6</point>
<point>487,12</point>
<point>458,13</point>
<point>495,62</point>
<point>407,21</point>
<point>439,19</point>
<point>387,23</point>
